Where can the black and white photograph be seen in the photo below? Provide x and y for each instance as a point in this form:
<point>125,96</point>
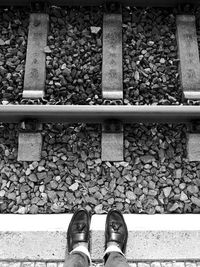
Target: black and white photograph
<point>99,133</point>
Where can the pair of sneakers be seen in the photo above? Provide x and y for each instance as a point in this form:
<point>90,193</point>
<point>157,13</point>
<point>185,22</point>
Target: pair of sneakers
<point>116,232</point>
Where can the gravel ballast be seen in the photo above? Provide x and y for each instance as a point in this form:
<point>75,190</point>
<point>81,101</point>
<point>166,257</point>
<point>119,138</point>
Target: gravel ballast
<point>155,177</point>
<point>150,57</point>
<point>75,58</point>
<point>13,43</point>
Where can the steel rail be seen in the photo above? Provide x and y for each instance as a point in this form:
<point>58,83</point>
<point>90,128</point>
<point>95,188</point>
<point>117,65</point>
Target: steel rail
<point>98,114</point>
<point>142,3</point>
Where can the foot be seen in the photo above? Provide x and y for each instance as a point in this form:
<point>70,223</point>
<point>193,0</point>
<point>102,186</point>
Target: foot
<point>78,230</point>
<point>116,230</point>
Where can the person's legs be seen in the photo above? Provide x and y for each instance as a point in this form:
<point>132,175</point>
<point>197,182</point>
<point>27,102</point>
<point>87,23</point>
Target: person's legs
<point>78,240</point>
<point>116,235</point>
<point>116,259</point>
<point>76,259</point>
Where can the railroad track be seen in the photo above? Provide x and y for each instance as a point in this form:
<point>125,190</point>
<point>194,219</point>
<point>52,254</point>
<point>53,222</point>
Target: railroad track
<point>114,114</point>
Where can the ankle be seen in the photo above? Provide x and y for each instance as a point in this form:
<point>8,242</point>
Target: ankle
<point>114,247</point>
<point>112,243</point>
<point>84,244</point>
<point>82,247</point>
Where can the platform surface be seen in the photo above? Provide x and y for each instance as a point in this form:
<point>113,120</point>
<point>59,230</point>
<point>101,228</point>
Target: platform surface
<point>151,237</point>
<point>136,264</point>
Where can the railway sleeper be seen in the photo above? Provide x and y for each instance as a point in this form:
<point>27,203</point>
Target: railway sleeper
<point>189,76</point>
<point>112,70</point>
<point>29,141</point>
<point>30,137</point>
<point>35,68</point>
<point>193,141</point>
<point>189,56</point>
<point>112,140</point>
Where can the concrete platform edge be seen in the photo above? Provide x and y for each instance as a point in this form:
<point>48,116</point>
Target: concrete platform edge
<point>151,237</point>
